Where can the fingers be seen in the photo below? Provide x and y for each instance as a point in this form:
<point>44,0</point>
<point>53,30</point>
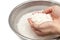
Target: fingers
<point>42,33</point>
<point>49,10</point>
<point>33,25</point>
<point>53,11</point>
<point>46,25</point>
<point>45,29</point>
<point>38,32</point>
<point>31,22</point>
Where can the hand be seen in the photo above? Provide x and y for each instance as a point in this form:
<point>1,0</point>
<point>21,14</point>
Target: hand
<point>48,28</point>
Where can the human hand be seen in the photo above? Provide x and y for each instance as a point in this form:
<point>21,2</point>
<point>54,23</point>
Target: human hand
<point>48,28</point>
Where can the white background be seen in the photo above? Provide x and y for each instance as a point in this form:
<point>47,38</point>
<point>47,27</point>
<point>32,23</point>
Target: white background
<point>6,7</point>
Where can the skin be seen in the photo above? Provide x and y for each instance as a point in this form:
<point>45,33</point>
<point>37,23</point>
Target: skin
<point>48,28</point>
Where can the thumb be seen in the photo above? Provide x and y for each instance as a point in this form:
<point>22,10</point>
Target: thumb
<point>46,25</point>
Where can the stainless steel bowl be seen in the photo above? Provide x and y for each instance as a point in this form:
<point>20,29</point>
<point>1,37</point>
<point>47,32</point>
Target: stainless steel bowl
<point>24,8</point>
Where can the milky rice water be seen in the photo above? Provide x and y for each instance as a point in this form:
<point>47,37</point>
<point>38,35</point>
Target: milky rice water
<point>38,17</point>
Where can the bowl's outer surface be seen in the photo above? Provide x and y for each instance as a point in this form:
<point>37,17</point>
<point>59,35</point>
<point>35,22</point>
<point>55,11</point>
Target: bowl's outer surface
<point>24,8</point>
